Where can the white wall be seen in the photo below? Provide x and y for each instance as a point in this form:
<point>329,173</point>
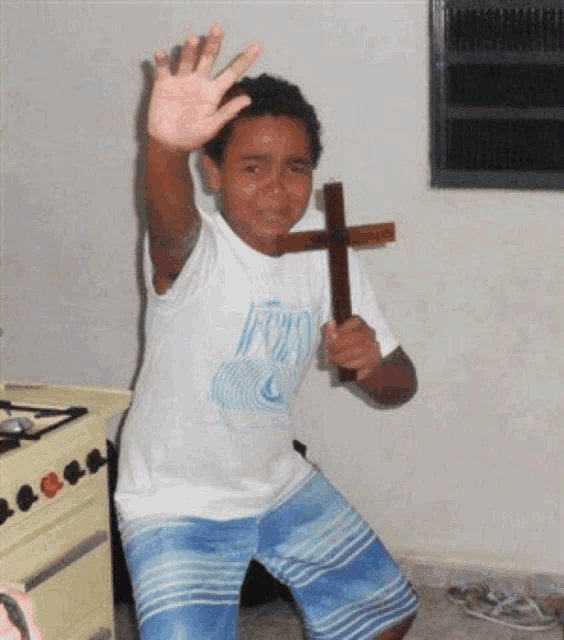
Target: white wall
<point>469,471</point>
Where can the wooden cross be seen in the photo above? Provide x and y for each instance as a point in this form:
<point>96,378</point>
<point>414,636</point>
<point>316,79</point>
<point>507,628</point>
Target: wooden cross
<point>337,238</point>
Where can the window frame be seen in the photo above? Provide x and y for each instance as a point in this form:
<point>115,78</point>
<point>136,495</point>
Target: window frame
<point>442,177</point>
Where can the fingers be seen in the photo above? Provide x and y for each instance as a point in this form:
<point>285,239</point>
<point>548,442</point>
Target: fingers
<point>227,113</point>
<point>239,66</point>
<point>161,60</point>
<point>354,323</point>
<point>189,63</point>
<point>230,110</point>
<point>331,332</point>
<point>364,359</point>
<point>352,345</point>
<point>187,60</point>
<point>352,356</point>
<point>350,332</point>
<point>343,344</point>
<point>211,51</point>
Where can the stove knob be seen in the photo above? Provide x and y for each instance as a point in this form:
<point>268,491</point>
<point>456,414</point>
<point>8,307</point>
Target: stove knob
<point>25,498</point>
<point>73,472</point>
<point>94,460</point>
<point>51,485</point>
<point>5,511</point>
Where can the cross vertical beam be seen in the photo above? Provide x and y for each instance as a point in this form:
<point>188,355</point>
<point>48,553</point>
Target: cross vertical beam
<point>338,260</point>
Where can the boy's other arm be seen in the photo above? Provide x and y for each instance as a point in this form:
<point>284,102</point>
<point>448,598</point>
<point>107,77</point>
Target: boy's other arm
<point>185,112</point>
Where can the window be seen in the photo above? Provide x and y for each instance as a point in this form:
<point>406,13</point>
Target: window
<point>497,93</point>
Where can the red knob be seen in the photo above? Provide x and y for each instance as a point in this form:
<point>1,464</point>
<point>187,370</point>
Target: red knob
<point>51,485</point>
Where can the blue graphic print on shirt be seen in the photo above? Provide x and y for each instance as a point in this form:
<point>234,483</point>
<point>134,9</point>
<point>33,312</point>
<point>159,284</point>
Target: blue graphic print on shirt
<point>273,347</point>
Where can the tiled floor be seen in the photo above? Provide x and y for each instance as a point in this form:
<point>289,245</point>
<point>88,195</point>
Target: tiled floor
<point>438,619</point>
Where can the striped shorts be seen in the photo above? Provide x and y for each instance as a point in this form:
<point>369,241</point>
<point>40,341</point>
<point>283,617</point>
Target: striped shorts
<point>187,572</point>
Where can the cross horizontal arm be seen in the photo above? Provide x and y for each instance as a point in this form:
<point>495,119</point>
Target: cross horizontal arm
<point>367,235</point>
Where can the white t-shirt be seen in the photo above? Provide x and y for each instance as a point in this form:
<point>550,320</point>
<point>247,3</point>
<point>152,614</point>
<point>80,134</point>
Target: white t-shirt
<point>209,433</point>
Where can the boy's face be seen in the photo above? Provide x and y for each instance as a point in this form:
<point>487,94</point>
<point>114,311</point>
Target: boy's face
<point>265,179</point>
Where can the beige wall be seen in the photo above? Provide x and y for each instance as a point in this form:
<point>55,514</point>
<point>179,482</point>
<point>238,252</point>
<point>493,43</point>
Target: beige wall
<point>469,471</point>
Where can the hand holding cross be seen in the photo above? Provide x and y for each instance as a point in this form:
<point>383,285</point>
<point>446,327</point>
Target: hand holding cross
<point>337,238</point>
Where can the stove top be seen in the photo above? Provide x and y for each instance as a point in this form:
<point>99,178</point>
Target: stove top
<point>23,424</point>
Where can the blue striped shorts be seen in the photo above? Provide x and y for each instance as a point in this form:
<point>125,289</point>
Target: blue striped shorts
<point>187,572</point>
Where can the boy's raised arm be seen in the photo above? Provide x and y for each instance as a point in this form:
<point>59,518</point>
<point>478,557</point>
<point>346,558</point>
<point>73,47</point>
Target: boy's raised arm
<point>184,114</point>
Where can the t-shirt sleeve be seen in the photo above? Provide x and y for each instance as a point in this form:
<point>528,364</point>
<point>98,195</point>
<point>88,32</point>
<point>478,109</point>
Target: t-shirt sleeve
<point>363,302</point>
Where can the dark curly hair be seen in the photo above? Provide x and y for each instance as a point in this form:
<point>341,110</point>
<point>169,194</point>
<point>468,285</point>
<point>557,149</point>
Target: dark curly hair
<point>270,96</point>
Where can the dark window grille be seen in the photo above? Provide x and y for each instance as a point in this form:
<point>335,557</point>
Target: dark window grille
<point>497,93</point>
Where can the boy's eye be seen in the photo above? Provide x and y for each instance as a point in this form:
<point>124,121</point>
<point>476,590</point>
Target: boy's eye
<point>257,169</point>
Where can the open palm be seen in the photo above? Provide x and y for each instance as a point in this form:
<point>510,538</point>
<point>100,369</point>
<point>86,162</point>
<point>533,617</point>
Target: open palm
<point>184,110</point>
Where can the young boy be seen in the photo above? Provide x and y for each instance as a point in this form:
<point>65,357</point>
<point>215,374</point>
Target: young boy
<point>208,478</point>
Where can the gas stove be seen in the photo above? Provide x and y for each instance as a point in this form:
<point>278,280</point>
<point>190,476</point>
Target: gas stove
<point>27,431</point>
<point>54,517</point>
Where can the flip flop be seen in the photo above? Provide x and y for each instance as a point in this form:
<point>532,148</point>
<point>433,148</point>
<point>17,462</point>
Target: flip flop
<point>488,590</point>
<point>516,611</point>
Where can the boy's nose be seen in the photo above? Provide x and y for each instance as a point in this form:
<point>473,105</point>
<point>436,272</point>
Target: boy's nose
<point>273,182</point>
<point>273,187</point>
<point>273,190</point>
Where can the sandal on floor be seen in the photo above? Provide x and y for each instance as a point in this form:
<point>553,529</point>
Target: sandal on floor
<point>516,611</point>
<point>488,590</point>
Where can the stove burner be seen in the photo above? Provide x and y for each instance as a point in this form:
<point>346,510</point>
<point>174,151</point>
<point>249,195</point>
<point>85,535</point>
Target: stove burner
<point>15,425</point>
<point>16,428</point>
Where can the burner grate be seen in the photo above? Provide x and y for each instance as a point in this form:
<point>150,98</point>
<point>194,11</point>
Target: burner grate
<point>46,419</point>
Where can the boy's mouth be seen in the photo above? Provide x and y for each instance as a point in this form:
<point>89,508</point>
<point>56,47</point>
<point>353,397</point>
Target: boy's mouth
<point>277,213</point>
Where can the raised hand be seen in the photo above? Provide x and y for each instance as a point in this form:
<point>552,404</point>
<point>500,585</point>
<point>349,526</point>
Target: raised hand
<point>184,110</point>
